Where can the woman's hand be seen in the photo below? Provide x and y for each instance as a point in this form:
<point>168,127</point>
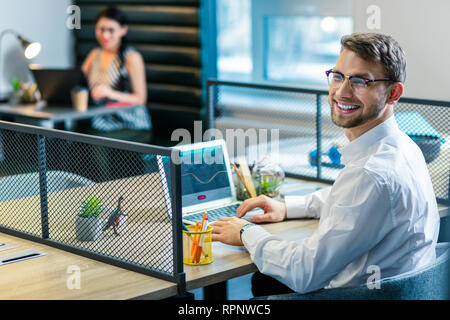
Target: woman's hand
<point>102,92</point>
<point>274,211</point>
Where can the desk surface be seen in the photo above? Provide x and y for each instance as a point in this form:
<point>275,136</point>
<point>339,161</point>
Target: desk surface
<point>46,277</point>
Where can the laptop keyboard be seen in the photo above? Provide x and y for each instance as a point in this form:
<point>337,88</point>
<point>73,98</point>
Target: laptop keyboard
<point>215,214</point>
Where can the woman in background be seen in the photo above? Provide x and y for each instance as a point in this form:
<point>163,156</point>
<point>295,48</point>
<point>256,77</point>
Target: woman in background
<point>116,73</point>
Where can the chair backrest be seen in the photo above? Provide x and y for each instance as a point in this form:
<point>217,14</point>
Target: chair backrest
<point>431,282</point>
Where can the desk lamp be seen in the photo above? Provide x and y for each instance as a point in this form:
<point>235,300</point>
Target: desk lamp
<point>30,50</point>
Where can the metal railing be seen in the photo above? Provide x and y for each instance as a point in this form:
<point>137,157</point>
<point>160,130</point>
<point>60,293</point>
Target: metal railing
<point>109,200</point>
<point>302,119</point>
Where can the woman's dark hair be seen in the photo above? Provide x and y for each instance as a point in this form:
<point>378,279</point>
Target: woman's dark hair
<point>115,14</point>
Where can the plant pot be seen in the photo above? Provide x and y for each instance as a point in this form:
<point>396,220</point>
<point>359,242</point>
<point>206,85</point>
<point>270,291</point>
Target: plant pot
<point>88,229</point>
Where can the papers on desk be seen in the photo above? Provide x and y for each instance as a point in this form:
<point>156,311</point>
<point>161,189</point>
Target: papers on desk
<point>20,256</point>
<point>6,246</point>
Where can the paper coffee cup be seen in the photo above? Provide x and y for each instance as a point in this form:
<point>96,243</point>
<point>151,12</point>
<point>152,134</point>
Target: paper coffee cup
<point>80,97</point>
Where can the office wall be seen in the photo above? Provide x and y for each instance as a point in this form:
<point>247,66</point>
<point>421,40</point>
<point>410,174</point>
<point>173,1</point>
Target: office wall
<point>43,21</point>
<point>422,29</point>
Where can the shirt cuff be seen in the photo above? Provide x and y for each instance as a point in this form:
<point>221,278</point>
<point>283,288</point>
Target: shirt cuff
<point>295,207</point>
<point>252,236</point>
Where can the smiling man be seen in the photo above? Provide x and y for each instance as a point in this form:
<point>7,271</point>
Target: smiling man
<point>381,210</point>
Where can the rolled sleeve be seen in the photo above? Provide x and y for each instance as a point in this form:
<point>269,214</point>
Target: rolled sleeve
<point>295,207</point>
<point>308,206</point>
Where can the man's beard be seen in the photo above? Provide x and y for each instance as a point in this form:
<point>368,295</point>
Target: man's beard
<point>373,113</point>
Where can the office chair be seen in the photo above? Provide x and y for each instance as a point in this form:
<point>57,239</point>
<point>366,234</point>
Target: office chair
<point>432,282</point>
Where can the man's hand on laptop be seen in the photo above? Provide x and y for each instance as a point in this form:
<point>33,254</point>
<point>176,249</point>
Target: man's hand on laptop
<point>274,211</point>
<point>227,230</point>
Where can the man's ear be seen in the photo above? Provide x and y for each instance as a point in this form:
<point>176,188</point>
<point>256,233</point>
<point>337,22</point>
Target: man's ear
<point>396,92</point>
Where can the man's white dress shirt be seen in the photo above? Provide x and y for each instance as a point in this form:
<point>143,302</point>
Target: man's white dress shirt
<point>381,211</point>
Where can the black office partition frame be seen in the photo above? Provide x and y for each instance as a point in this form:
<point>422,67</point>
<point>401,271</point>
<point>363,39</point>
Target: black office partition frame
<point>303,118</point>
<point>51,180</point>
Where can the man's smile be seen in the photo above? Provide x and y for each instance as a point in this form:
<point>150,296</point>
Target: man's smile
<point>346,108</point>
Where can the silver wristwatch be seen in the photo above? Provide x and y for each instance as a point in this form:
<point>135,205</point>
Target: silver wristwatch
<point>245,227</point>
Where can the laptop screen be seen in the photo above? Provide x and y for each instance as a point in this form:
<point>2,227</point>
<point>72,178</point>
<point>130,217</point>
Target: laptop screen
<point>204,176</point>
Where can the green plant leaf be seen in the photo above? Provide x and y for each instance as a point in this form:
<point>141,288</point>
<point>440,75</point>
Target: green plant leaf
<point>91,208</point>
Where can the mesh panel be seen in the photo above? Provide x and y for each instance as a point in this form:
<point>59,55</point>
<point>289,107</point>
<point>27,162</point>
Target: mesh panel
<point>302,135</point>
<point>20,206</point>
<point>268,115</point>
<point>111,202</point>
<point>429,126</point>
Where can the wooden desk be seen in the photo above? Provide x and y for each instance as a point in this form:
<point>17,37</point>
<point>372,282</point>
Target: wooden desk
<point>48,116</point>
<point>46,278</point>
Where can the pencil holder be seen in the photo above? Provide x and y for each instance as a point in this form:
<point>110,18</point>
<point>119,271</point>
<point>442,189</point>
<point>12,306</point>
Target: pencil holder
<point>197,249</point>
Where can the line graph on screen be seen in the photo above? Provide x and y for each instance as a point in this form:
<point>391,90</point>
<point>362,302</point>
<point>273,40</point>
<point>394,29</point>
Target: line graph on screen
<point>204,181</point>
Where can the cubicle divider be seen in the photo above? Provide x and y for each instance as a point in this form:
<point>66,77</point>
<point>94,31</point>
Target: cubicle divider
<point>113,201</point>
<point>294,125</point>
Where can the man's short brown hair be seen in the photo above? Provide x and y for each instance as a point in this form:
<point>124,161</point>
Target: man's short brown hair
<point>376,47</point>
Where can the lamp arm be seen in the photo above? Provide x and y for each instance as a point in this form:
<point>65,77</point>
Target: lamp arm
<point>8,31</point>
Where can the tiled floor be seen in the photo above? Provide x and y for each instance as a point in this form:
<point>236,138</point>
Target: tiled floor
<point>237,289</point>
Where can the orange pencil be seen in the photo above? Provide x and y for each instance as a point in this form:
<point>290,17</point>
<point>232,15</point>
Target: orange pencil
<point>193,248</point>
<point>198,253</point>
<point>197,238</point>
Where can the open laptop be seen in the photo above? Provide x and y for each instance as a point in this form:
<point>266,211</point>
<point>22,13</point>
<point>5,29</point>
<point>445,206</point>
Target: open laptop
<point>55,84</point>
<point>207,183</point>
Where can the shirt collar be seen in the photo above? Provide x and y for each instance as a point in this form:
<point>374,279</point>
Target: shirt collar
<point>366,140</point>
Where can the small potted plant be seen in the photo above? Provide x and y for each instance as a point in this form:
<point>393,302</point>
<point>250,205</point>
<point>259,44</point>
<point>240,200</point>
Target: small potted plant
<point>271,177</point>
<point>89,220</point>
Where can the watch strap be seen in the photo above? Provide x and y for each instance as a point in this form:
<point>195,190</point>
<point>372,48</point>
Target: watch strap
<point>245,227</point>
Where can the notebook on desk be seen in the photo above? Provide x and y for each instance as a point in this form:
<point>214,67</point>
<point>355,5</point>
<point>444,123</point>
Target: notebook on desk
<point>207,183</point>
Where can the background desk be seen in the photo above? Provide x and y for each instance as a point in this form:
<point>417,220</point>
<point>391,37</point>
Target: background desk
<point>48,117</point>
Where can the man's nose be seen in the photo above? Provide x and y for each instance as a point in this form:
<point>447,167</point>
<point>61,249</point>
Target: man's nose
<point>345,90</point>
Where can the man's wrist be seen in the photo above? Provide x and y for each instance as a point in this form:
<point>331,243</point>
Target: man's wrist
<point>245,227</point>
